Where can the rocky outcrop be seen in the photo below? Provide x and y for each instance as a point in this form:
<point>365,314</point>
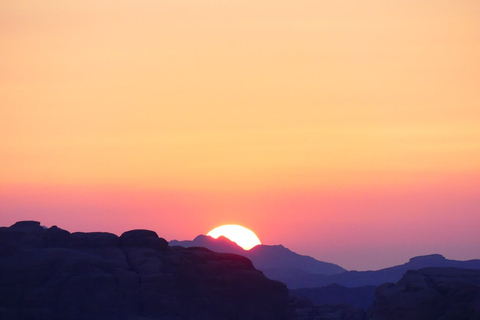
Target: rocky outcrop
<point>430,294</point>
<point>54,274</point>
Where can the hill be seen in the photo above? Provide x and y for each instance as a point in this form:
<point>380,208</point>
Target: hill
<point>392,274</point>
<point>299,271</point>
<point>54,274</point>
<point>276,261</point>
<point>429,294</point>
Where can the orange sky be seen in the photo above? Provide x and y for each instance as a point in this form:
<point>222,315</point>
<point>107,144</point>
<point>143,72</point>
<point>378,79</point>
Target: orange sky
<point>328,126</point>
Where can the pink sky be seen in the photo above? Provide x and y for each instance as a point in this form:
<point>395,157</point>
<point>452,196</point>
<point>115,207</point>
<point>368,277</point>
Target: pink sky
<point>347,131</point>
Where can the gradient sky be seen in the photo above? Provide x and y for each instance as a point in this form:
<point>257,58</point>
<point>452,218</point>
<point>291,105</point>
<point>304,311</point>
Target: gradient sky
<point>345,130</point>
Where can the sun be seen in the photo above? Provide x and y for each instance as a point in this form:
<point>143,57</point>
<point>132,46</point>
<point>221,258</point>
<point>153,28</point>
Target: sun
<point>242,236</point>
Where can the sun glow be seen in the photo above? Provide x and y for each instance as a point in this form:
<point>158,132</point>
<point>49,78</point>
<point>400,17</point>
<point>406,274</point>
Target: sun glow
<point>242,236</point>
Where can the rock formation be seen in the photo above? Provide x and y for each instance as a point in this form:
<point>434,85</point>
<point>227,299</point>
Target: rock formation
<point>54,274</point>
<point>429,294</point>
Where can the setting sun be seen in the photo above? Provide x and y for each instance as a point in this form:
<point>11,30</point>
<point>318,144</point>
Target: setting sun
<point>242,236</point>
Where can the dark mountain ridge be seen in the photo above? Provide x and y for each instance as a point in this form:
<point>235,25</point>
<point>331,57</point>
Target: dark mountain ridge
<point>54,274</point>
<point>275,261</point>
<point>392,274</point>
<point>50,273</point>
<point>441,293</point>
<point>298,271</point>
<point>357,288</point>
<point>429,294</point>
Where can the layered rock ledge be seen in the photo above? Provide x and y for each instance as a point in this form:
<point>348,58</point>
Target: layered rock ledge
<point>429,294</point>
<point>54,274</point>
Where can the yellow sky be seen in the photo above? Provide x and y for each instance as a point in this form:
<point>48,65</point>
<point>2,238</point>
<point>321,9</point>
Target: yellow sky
<point>347,130</point>
<point>233,94</point>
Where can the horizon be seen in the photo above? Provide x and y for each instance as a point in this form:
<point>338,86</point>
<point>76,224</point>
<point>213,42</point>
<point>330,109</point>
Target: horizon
<point>349,132</point>
<point>299,253</point>
<point>268,245</point>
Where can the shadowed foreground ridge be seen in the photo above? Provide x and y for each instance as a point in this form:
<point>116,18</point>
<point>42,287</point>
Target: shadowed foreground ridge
<point>430,294</point>
<point>54,274</point>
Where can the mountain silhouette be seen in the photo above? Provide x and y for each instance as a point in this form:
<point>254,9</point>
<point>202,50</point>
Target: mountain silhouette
<point>50,273</point>
<point>54,274</point>
<point>425,294</point>
<point>276,261</point>
<point>429,294</point>
<point>221,244</point>
<point>299,271</point>
<point>392,274</point>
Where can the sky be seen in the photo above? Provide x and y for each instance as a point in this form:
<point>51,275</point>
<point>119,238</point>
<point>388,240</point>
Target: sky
<point>344,130</point>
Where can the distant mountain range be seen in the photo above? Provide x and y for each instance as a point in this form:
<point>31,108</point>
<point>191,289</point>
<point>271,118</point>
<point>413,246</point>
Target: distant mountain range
<point>299,271</point>
<point>50,273</point>
<point>276,260</point>
<point>393,274</point>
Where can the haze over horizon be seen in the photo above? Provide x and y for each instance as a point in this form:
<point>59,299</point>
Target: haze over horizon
<point>346,131</point>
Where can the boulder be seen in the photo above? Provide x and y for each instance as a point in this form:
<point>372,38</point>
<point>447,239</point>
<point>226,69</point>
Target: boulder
<point>28,233</point>
<point>94,240</point>
<point>27,226</point>
<point>56,237</point>
<point>143,238</point>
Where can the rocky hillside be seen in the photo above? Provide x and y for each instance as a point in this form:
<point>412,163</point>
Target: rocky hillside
<point>425,294</point>
<point>54,274</point>
<point>430,294</point>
